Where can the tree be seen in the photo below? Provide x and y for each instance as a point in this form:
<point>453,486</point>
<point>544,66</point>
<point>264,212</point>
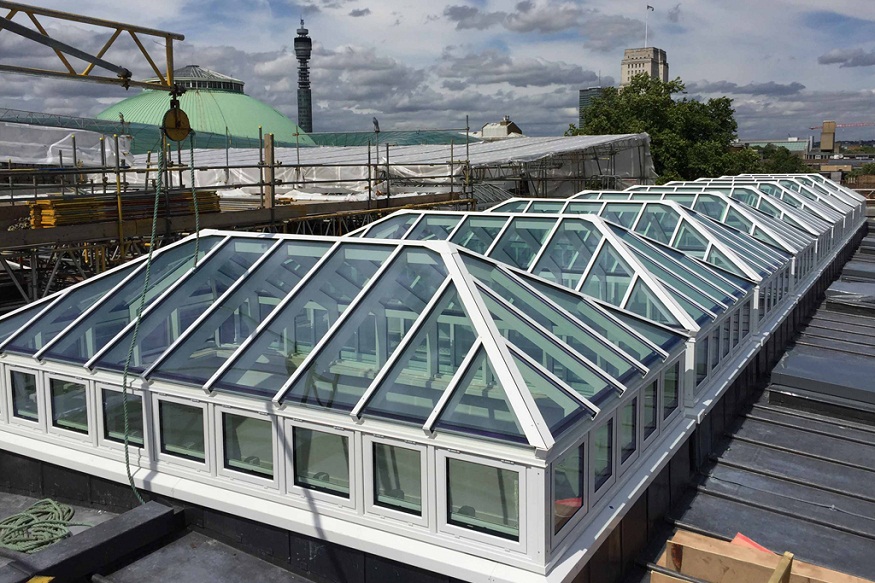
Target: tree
<point>688,138</point>
<point>780,160</point>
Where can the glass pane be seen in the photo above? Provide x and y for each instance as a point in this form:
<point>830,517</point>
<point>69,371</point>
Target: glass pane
<point>701,359</point>
<point>603,456</point>
<point>671,390</point>
<point>568,487</point>
<point>622,214</point>
<point>69,407</point>
<point>658,223</point>
<point>182,430</point>
<point>511,206</point>
<point>547,351</point>
<point>120,308</point>
<point>12,324</point>
<point>689,241</point>
<point>53,320</point>
<point>177,312</point>
<point>393,227</point>
<point>715,348</point>
<point>584,208</point>
<point>229,324</point>
<point>522,241</point>
<point>650,418</point>
<point>643,302</point>
<point>321,461</point>
<point>568,252</point>
<point>559,410</point>
<point>114,417</point>
<point>593,347</point>
<point>477,233</point>
<point>248,444</point>
<point>628,429</point>
<point>736,220</point>
<point>540,206</point>
<point>398,478</point>
<point>479,406</point>
<point>344,368</point>
<point>436,227</point>
<point>710,206</point>
<point>483,498</point>
<point>726,346</point>
<point>281,347</point>
<point>430,362</point>
<point>24,403</point>
<point>609,277</point>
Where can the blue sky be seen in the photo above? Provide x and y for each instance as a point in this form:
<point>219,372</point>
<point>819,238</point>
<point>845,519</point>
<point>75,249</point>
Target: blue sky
<point>787,64</point>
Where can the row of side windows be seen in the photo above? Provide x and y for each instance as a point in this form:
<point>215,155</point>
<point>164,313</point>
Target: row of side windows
<point>610,448</point>
<point>480,497</point>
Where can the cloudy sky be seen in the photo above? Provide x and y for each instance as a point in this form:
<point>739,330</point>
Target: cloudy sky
<point>787,64</point>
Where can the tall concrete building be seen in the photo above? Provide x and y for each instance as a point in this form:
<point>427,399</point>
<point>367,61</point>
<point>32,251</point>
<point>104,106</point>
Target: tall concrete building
<point>648,60</point>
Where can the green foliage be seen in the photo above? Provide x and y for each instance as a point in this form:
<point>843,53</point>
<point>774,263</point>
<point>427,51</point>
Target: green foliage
<point>688,139</point>
<point>865,169</point>
<point>780,160</point>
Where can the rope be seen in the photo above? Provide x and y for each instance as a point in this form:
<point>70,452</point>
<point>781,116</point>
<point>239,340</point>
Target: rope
<point>162,162</point>
<point>42,524</point>
<point>197,217</point>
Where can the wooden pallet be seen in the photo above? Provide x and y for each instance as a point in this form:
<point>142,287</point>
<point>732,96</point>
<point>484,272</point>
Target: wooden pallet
<point>693,557</point>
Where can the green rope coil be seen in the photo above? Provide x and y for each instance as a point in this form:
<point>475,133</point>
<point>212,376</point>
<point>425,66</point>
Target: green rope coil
<point>42,524</point>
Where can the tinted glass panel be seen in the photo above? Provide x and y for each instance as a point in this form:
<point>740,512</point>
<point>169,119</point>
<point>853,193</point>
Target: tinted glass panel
<point>483,498</point>
<point>182,430</point>
<point>321,461</point>
<point>114,417</point>
<point>398,478</point>
<point>248,444</point>
<point>568,487</point>
<point>69,405</point>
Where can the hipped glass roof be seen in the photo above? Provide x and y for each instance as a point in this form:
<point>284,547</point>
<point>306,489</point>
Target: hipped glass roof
<point>418,333</point>
<point>586,254</point>
<point>678,227</point>
<point>746,195</point>
<point>722,209</point>
<point>818,208</point>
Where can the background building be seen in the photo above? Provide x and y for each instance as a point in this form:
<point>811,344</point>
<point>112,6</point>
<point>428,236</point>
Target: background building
<point>586,97</point>
<point>649,60</point>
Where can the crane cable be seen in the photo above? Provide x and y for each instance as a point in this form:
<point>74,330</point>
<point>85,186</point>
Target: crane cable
<point>138,318</point>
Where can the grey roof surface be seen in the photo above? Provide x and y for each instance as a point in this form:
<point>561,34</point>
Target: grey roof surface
<point>797,470</point>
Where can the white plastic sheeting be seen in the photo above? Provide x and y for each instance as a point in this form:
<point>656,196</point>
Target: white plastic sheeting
<point>32,144</point>
<point>552,165</point>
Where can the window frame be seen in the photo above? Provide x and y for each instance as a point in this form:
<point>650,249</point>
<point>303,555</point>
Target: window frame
<point>238,475</point>
<point>666,420</point>
<point>39,423</point>
<point>5,387</point>
<point>557,537</point>
<point>175,460</point>
<point>100,425</point>
<point>645,442</point>
<point>622,465</point>
<point>444,526</point>
<point>596,495</point>
<point>310,493</point>
<point>87,385</point>
<point>426,484</point>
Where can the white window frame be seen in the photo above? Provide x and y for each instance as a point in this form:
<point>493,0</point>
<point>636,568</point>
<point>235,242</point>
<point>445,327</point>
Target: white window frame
<point>442,458</point>
<point>426,483</point>
<point>309,493</point>
<point>665,421</point>
<point>40,423</point>
<point>236,475</point>
<point>646,442</point>
<point>175,460</point>
<point>622,466</point>
<point>100,426</point>
<point>556,538</point>
<point>594,496</point>
<point>88,436</point>
<point>4,389</point>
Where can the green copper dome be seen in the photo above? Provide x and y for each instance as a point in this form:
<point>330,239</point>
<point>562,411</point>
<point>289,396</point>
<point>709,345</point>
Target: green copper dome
<point>214,103</point>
